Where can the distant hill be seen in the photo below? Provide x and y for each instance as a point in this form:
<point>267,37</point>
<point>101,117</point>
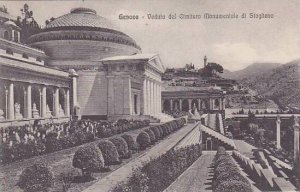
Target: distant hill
<point>250,71</point>
<point>280,83</point>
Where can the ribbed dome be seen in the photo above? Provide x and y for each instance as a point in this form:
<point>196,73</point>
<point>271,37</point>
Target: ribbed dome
<point>83,17</point>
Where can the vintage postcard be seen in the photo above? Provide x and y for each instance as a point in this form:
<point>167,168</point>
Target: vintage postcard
<point>149,96</point>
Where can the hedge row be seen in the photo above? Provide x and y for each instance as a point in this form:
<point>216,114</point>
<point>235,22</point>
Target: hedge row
<point>159,173</point>
<point>28,141</point>
<point>96,157</point>
<point>155,133</point>
<point>227,176</point>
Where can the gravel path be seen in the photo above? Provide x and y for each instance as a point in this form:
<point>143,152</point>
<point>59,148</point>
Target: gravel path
<point>197,177</point>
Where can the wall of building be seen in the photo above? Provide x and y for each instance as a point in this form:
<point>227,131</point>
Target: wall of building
<point>92,93</point>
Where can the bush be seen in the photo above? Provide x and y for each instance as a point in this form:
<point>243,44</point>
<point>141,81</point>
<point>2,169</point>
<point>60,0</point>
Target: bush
<point>151,135</point>
<point>121,146</point>
<point>36,178</point>
<point>143,140</point>
<point>233,186</point>
<point>109,152</point>
<point>156,132</point>
<point>89,159</point>
<point>132,144</point>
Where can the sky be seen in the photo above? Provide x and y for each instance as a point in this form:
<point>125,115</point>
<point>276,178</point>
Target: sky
<point>233,43</point>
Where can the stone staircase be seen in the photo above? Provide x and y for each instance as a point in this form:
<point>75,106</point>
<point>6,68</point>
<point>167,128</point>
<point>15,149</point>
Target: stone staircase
<point>218,136</point>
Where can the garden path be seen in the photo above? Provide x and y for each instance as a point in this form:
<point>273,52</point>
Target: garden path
<point>121,174</point>
<point>198,177</point>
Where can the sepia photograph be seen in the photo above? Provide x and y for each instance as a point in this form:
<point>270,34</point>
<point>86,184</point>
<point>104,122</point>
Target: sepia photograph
<point>149,95</point>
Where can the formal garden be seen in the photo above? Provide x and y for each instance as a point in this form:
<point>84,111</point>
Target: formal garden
<point>95,148</point>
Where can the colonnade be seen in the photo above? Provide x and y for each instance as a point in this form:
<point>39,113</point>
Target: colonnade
<point>151,96</point>
<point>35,109</point>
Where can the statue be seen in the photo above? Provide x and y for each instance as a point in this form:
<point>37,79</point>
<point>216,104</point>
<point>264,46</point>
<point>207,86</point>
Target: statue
<point>35,112</point>
<point>190,115</point>
<point>48,112</point>
<point>61,111</point>
<point>18,114</point>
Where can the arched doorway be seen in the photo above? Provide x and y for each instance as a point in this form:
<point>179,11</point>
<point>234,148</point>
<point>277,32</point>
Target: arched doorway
<point>167,105</point>
<point>185,105</point>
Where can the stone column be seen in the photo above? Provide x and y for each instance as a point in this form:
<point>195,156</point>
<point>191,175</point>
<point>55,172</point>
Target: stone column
<point>171,105</point>
<point>190,104</point>
<point>44,101</point>
<point>156,97</point>
<point>6,103</point>
<point>180,104</point>
<point>12,35</point>
<point>159,98</point>
<point>278,145</point>
<point>148,97</point>
<point>296,148</point>
<point>11,109</point>
<point>67,103</point>
<point>56,102</point>
<point>152,97</point>
<point>110,96</point>
<point>199,104</point>
<point>145,96</point>
<point>74,77</point>
<point>28,103</point>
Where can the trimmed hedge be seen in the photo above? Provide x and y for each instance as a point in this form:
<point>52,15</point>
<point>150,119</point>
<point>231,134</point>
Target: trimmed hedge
<point>132,144</point>
<point>36,178</point>
<point>89,159</point>
<point>159,173</point>
<point>156,132</point>
<point>143,140</point>
<point>227,176</point>
<point>121,146</point>
<point>151,135</point>
<point>109,152</point>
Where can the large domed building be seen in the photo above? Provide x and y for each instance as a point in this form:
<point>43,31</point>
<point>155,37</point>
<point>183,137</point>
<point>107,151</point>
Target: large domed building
<point>82,35</point>
<point>114,79</point>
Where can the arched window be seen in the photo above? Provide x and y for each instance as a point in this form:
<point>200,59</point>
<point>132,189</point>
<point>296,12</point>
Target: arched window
<point>24,55</point>
<point>6,35</point>
<point>9,51</point>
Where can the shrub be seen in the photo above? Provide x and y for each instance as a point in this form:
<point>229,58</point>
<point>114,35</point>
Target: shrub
<point>156,132</point>
<point>52,143</point>
<point>122,147</point>
<point>36,178</point>
<point>151,135</point>
<point>143,140</point>
<point>161,131</point>
<point>132,144</point>
<point>89,159</point>
<point>109,152</point>
<point>233,186</point>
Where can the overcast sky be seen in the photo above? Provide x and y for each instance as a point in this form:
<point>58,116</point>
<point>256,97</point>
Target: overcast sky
<point>233,43</point>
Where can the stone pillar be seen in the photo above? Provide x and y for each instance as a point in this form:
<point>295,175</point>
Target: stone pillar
<point>296,148</point>
<point>190,104</point>
<point>148,97</point>
<point>171,105</point>
<point>278,145</point>
<point>28,103</point>
<point>128,109</point>
<point>11,109</point>
<point>12,35</point>
<point>56,102</point>
<point>199,104</point>
<point>159,98</point>
<point>110,96</point>
<point>6,103</point>
<point>156,98</point>
<point>74,101</point>
<point>152,98</point>
<point>44,101</point>
<point>180,104</point>
<point>67,103</point>
<point>145,97</point>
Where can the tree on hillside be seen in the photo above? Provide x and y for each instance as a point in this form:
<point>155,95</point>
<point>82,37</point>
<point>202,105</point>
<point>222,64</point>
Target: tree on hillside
<point>211,69</point>
<point>27,23</point>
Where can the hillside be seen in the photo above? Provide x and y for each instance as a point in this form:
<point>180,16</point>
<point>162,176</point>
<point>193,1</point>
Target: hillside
<point>280,84</point>
<point>250,71</point>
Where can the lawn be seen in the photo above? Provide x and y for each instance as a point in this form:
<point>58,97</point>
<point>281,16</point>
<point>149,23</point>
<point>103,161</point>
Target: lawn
<point>60,161</point>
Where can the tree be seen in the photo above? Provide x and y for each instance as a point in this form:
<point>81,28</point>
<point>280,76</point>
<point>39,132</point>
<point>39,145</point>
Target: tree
<point>211,69</point>
<point>27,23</point>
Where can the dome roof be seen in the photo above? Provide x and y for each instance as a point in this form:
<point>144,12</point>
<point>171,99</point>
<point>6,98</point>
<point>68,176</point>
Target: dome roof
<point>81,17</point>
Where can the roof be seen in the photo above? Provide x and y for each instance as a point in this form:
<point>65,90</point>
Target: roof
<point>131,57</point>
<point>82,17</point>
